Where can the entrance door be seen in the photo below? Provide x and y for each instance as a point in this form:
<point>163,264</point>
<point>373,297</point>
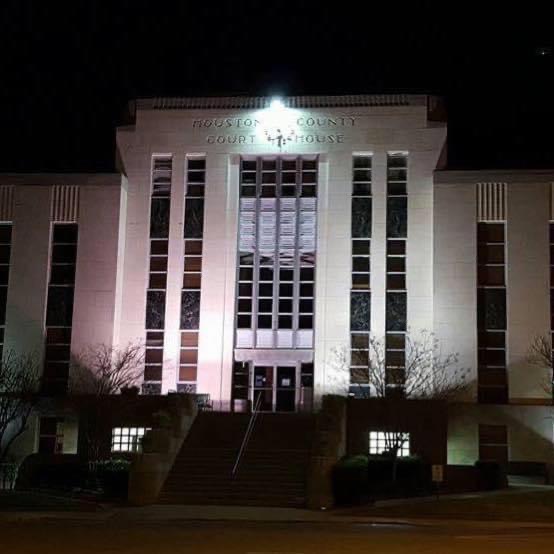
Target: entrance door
<point>263,387</point>
<point>285,393</point>
<point>274,388</point>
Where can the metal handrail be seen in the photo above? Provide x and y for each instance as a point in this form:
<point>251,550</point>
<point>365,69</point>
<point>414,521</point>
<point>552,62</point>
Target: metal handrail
<point>247,434</point>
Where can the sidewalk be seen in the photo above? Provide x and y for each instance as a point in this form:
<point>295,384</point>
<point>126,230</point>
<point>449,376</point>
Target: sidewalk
<point>515,508</point>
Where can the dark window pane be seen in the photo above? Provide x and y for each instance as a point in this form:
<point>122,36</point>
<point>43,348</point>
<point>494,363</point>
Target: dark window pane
<point>245,274</point>
<point>362,161</point>
<point>396,265</point>
<point>159,218</point>
<point>194,218</point>
<point>360,264</point>
<point>5,250</point>
<point>396,188</point>
<point>490,253</point>
<point>192,280</point>
<point>286,290</point>
<point>305,322</point>
<point>396,247</point>
<point>306,289</point>
<point>245,289</point>
<point>196,163</point>
<point>285,306</point>
<point>154,338</point>
<point>397,217</point>
<point>265,305</point>
<point>395,341</point>
<point>396,311</point>
<point>490,232</point>
<point>361,217</point>
<point>360,281</point>
<point>155,309</point>
<point>491,308</point>
<point>360,311</point>
<point>5,233</point>
<point>245,305</point>
<point>264,322</point>
<point>361,189</point>
<point>58,336</point>
<point>362,175</point>
<point>64,253</point>
<point>396,282</point>
<point>158,247</point>
<point>492,340</point>
<point>190,310</point>
<point>265,289</point>
<point>286,274</point>
<point>360,341</point>
<point>266,274</point>
<point>3,300</point>
<point>65,233</point>
<point>490,275</point>
<point>59,310</point>
<point>305,305</point>
<point>157,281</point>
<point>307,274</point>
<point>158,263</point>
<point>285,322</point>
<point>360,247</point>
<point>154,356</point>
<point>193,263</point>
<point>244,321</point>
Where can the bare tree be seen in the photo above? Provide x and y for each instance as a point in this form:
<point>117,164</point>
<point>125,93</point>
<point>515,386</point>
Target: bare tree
<point>18,395</point>
<point>419,371</point>
<point>98,372</point>
<point>540,354</point>
<point>103,369</point>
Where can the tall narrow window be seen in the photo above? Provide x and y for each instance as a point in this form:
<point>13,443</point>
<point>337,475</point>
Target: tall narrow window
<point>192,273</point>
<point>551,231</point>
<point>360,295</point>
<point>59,307</point>
<point>5,254</point>
<point>157,279</point>
<point>277,244</point>
<point>491,313</point>
<point>396,294</point>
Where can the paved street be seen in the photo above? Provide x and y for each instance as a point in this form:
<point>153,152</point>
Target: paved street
<point>112,535</point>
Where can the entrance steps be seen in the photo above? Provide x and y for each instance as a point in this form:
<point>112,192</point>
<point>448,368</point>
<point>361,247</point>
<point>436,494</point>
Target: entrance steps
<point>272,471</point>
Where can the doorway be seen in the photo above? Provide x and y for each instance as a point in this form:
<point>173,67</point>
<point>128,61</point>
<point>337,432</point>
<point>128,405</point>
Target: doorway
<point>274,388</point>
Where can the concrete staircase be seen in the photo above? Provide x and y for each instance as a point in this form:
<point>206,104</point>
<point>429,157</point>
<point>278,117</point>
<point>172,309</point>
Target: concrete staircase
<point>273,468</point>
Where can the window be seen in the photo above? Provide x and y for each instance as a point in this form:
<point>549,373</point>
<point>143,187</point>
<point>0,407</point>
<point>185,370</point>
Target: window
<point>360,295</point>
<point>5,247</point>
<point>128,439</point>
<point>491,312</point>
<point>51,435</point>
<point>59,307</point>
<point>380,442</point>
<point>396,296</point>
<point>160,201</point>
<point>277,244</point>
<point>192,272</point>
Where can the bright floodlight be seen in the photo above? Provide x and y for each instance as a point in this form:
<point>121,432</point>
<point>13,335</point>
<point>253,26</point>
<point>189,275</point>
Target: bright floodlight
<point>276,104</point>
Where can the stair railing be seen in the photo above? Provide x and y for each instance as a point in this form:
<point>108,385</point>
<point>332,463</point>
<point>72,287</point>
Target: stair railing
<point>247,434</point>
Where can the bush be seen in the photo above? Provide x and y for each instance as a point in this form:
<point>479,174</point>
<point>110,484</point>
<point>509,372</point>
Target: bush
<point>350,480</point>
<point>358,479</point>
<point>113,476</point>
<point>51,471</point>
<point>492,476</point>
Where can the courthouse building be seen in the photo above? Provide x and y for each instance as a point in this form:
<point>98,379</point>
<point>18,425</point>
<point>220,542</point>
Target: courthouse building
<point>246,241</point>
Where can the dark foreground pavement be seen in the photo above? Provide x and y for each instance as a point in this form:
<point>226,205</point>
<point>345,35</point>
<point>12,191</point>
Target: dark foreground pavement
<point>117,535</point>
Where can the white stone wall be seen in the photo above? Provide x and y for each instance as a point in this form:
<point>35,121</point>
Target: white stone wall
<point>455,274</point>
<point>528,286</point>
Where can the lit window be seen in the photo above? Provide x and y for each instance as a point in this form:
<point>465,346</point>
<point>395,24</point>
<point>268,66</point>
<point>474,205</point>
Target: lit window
<point>381,442</point>
<point>128,439</point>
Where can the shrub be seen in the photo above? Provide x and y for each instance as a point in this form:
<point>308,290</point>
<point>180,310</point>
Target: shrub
<point>492,475</point>
<point>51,471</point>
<point>350,480</point>
<point>113,476</point>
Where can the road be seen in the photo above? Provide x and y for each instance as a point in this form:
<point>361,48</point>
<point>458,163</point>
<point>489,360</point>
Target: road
<point>112,536</point>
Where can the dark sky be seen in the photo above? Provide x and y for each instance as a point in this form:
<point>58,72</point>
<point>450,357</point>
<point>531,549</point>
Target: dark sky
<point>68,69</point>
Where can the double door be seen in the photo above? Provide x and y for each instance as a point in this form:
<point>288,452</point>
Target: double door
<point>274,388</point>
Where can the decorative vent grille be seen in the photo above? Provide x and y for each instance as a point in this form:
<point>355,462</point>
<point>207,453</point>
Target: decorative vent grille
<point>491,202</point>
<point>65,204</point>
<point>6,203</point>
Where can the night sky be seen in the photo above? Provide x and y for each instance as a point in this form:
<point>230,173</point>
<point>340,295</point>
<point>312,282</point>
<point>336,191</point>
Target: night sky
<point>68,69</point>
